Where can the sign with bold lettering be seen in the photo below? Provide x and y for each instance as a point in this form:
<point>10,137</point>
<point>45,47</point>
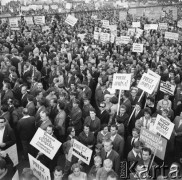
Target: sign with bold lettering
<point>163,26</point>
<point>121,81</point>
<point>147,83</point>
<point>96,35</point>
<point>150,26</point>
<point>39,20</point>
<point>104,37</point>
<point>135,24</point>
<point>82,152</point>
<point>105,24</point>
<point>163,126</point>
<point>154,142</point>
<point>167,87</point>
<point>39,170</point>
<point>137,47</point>
<point>125,39</point>
<point>29,20</point>
<point>13,22</point>
<point>45,143</point>
<point>170,35</point>
<point>71,20</point>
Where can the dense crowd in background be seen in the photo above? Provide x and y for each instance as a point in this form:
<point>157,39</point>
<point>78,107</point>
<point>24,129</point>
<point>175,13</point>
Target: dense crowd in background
<point>56,81</point>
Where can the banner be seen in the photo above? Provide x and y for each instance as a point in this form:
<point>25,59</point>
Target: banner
<point>137,47</point>
<point>39,20</point>
<point>167,87</point>
<point>147,83</point>
<point>16,176</point>
<point>170,35</point>
<point>12,152</point>
<point>105,24</point>
<point>150,26</point>
<point>163,126</point>
<point>45,143</point>
<point>39,170</point>
<point>153,141</point>
<point>71,20</point>
<point>163,26</point>
<point>124,39</point>
<point>135,24</point>
<point>82,152</point>
<point>121,81</point>
<point>29,20</point>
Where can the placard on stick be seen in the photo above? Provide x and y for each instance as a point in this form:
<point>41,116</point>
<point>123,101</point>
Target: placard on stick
<point>121,81</point>
<point>45,143</point>
<point>163,126</point>
<point>71,20</point>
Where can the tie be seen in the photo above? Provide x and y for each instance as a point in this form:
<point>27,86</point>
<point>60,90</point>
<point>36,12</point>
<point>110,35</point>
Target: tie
<point>132,141</point>
<point>106,156</point>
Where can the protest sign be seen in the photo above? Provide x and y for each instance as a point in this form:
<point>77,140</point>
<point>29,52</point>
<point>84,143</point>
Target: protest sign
<point>113,28</point>
<point>118,40</point>
<point>167,87</point>
<point>179,24</point>
<point>45,143</point>
<point>13,22</point>
<point>150,26</point>
<point>122,15</point>
<point>12,152</point>
<point>170,35</point>
<point>131,31</point>
<point>81,36</point>
<point>39,20</point>
<point>137,47</point>
<point>163,26</point>
<point>112,38</point>
<point>139,32</point>
<point>71,20</point>
<point>29,20</point>
<point>121,81</point>
<point>135,24</point>
<point>124,39</point>
<point>54,6</point>
<point>104,37</point>
<point>39,170</point>
<point>46,28</point>
<point>34,7</point>
<point>24,8</point>
<point>147,83</point>
<point>82,152</point>
<point>96,35</point>
<point>163,126</point>
<point>154,142</point>
<point>105,24</point>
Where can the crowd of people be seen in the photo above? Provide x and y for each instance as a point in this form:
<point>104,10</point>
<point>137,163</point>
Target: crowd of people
<point>56,81</point>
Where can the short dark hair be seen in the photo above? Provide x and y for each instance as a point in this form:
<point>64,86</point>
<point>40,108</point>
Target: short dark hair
<point>4,107</point>
<point>147,110</point>
<point>112,174</point>
<point>61,105</point>
<point>51,126</point>
<point>30,97</point>
<point>146,149</point>
<point>58,168</point>
<point>115,126</point>
<point>70,128</point>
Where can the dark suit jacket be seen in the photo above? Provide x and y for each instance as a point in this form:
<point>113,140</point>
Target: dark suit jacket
<point>7,95</point>
<point>88,93</point>
<point>118,145</point>
<point>114,157</point>
<point>104,117</point>
<point>31,109</point>
<point>86,140</point>
<point>178,129</point>
<point>99,95</point>
<point>133,101</point>
<point>127,103</point>
<point>52,113</point>
<point>24,100</point>
<point>37,116</point>
<point>131,157</point>
<point>8,137</point>
<point>26,128</point>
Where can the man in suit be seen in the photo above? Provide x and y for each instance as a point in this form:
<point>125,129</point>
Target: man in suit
<point>53,111</point>
<point>30,105</point>
<point>127,102</point>
<point>133,98</point>
<point>26,130</point>
<point>118,141</point>
<point>108,153</point>
<point>7,136</point>
<point>24,96</point>
<point>103,114</point>
<point>7,93</point>
<point>135,154</point>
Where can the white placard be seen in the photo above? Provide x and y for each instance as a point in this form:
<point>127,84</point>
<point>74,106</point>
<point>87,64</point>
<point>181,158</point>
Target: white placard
<point>122,15</point>
<point>12,152</point>
<point>124,39</point>
<point>54,6</point>
<point>24,8</point>
<point>45,28</point>
<point>82,152</point>
<point>163,126</point>
<point>81,36</point>
<point>167,87</point>
<point>137,47</point>
<point>71,20</point>
<point>16,176</point>
<point>121,81</point>
<point>104,37</point>
<point>131,31</point>
<point>113,28</point>
<point>105,24</point>
<point>13,22</point>
<point>68,5</point>
<point>150,26</point>
<point>163,26</point>
<point>148,83</point>
<point>45,143</point>
<point>179,24</point>
<point>112,38</point>
<point>46,7</point>
<point>39,20</point>
<point>135,24</point>
<point>139,32</point>
<point>96,35</point>
<point>170,35</point>
<point>29,20</point>
<point>39,170</point>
